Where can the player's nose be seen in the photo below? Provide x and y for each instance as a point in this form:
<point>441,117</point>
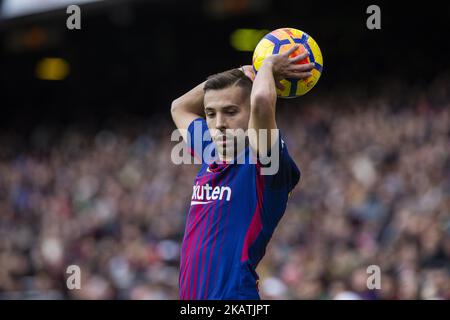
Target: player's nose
<point>220,122</point>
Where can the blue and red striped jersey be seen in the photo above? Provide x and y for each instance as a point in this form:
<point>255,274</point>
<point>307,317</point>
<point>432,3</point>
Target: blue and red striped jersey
<point>233,213</point>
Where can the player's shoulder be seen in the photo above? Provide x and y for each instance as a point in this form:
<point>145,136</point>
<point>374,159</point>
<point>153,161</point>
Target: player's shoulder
<point>197,124</point>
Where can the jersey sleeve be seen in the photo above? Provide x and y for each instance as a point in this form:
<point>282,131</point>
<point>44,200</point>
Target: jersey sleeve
<point>199,140</point>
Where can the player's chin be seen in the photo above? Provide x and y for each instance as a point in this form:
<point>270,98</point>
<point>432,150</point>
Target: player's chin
<point>224,146</point>
<point>222,143</point>
<point>221,146</point>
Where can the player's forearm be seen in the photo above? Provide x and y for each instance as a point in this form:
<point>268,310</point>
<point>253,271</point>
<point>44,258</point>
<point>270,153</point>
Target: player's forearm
<point>190,102</point>
<point>264,95</point>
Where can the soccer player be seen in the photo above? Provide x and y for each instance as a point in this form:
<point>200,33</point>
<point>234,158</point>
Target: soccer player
<point>234,208</point>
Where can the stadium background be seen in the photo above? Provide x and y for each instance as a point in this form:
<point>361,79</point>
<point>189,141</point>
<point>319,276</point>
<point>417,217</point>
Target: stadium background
<point>85,170</point>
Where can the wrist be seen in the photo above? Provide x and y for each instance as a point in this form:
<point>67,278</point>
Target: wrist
<point>268,63</point>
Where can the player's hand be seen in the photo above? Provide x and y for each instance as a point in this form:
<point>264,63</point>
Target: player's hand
<point>249,72</point>
<point>283,66</point>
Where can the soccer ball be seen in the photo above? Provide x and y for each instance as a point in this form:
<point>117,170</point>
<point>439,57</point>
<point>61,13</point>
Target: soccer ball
<point>281,40</point>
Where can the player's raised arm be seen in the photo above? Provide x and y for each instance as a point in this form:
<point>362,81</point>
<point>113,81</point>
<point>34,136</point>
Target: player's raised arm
<point>187,108</point>
<point>263,97</point>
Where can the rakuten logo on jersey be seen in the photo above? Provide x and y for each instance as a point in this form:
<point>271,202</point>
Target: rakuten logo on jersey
<point>207,194</point>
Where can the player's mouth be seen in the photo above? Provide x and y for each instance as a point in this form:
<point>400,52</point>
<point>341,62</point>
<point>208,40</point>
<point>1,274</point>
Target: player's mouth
<point>223,139</point>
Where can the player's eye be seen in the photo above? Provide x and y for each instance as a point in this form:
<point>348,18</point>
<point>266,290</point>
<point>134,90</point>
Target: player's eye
<point>210,114</point>
<point>231,113</point>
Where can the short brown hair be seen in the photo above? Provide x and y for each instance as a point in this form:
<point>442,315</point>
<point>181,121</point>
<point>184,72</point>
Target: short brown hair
<point>226,79</point>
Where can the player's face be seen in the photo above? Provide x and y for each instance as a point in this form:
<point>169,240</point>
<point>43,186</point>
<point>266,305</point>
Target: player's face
<point>227,108</point>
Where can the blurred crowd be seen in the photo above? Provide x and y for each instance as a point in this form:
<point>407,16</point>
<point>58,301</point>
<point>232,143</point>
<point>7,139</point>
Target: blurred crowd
<point>375,191</point>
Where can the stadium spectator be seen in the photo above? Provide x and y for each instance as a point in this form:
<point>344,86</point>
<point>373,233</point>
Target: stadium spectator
<point>375,190</point>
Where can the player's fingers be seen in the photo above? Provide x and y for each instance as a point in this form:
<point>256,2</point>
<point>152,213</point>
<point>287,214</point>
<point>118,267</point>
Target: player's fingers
<point>302,67</point>
<point>300,57</point>
<point>248,71</point>
<point>279,85</point>
<point>250,74</point>
<point>291,50</point>
<point>299,75</point>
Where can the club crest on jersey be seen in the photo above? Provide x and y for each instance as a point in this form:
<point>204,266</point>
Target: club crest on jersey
<point>204,194</point>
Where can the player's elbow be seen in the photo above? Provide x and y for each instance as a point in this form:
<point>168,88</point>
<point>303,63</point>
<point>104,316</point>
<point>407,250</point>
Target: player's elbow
<point>176,111</point>
<point>175,106</point>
